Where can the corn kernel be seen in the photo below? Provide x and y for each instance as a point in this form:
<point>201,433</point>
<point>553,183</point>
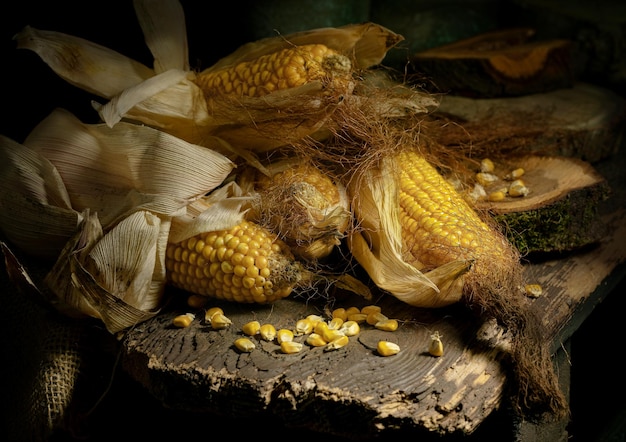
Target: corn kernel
<point>533,290</point>
<point>290,347</point>
<point>374,317</point>
<point>339,313</point>
<point>268,332</point>
<point>387,325</point>
<point>284,335</point>
<point>332,334</point>
<point>371,309</point>
<point>497,195</point>
<point>436,346</point>
<point>350,328</point>
<point>486,179</point>
<point>486,165</point>
<point>387,348</point>
<point>315,340</point>
<point>251,328</point>
<point>335,323</point>
<point>245,345</point>
<point>514,174</point>
<point>518,188</point>
<point>357,317</point>
<point>220,321</point>
<point>304,326</point>
<point>212,312</point>
<point>184,320</point>
<point>339,342</point>
<point>352,310</point>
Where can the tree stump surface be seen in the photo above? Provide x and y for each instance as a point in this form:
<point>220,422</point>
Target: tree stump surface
<point>498,64</point>
<point>585,121</point>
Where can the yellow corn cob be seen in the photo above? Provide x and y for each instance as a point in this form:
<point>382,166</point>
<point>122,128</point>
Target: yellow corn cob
<point>284,69</point>
<point>246,264</point>
<point>438,225</point>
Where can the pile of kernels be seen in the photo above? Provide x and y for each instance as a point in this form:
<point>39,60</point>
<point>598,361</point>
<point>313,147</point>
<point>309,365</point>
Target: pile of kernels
<point>486,178</point>
<point>332,334</point>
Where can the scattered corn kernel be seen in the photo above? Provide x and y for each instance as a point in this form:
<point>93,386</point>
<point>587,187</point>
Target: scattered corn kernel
<point>514,174</point>
<point>211,312</point>
<point>315,319</point>
<point>374,317</point>
<point>485,178</point>
<point>387,325</point>
<point>533,290</point>
<point>357,317</point>
<point>220,321</point>
<point>320,328</point>
<point>337,343</point>
<point>497,195</point>
<point>290,347</point>
<point>332,334</point>
<point>315,340</point>
<point>352,310</point>
<point>245,345</point>
<point>350,328</point>
<point>486,165</point>
<point>371,309</point>
<point>184,320</point>
<point>268,332</point>
<point>284,335</point>
<point>251,328</point>
<point>518,188</point>
<point>386,348</point>
<point>340,313</point>
<point>304,326</point>
<point>436,346</point>
<point>335,323</point>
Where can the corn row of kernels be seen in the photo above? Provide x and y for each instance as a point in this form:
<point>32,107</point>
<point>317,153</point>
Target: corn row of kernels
<point>509,184</point>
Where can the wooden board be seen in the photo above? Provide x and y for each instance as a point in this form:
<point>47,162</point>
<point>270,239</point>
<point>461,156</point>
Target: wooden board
<point>352,391</point>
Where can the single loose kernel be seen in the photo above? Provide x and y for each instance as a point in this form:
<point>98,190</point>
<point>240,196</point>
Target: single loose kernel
<point>220,321</point>
<point>374,317</point>
<point>387,325</point>
<point>371,309</point>
<point>436,346</point>
<point>514,174</point>
<point>212,312</point>
<point>386,348</point>
<point>340,313</point>
<point>335,323</point>
<point>290,347</point>
<point>497,195</point>
<point>337,343</point>
<point>245,345</point>
<point>533,290</point>
<point>358,317</point>
<point>485,178</point>
<point>350,328</point>
<point>304,326</point>
<point>518,188</point>
<point>268,332</point>
<point>184,320</point>
<point>315,340</point>
<point>284,335</point>
<point>486,165</point>
<point>251,328</point>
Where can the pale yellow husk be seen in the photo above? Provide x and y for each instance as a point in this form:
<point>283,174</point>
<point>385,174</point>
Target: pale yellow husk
<point>99,202</point>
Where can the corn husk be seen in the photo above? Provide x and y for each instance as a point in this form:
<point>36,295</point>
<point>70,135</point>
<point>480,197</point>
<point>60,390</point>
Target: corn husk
<point>106,197</point>
<point>167,98</point>
<point>376,243</point>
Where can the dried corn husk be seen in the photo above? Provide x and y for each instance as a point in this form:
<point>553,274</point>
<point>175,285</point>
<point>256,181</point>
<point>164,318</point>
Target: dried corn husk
<point>166,97</point>
<point>107,196</point>
<point>377,244</point>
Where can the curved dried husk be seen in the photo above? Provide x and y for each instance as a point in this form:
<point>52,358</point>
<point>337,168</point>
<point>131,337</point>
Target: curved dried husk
<point>109,195</point>
<point>166,97</point>
<point>376,243</point>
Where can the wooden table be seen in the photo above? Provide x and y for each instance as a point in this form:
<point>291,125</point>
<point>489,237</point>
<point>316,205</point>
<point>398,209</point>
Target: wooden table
<point>354,393</point>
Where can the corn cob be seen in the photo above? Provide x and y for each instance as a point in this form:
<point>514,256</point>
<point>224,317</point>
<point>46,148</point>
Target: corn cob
<point>283,69</point>
<point>305,207</point>
<point>245,264</point>
<point>438,225</point>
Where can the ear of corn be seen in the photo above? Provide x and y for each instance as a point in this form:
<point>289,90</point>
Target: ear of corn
<point>246,264</point>
<point>438,225</point>
<point>280,70</point>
